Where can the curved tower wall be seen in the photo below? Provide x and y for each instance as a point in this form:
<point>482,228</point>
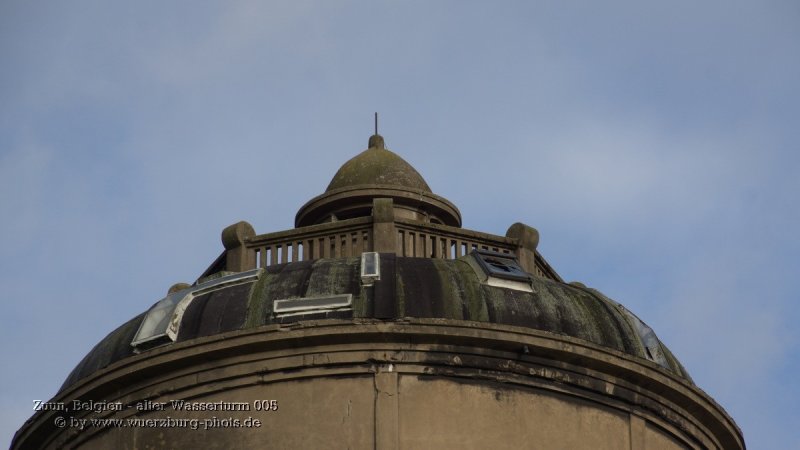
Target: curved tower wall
<point>371,384</point>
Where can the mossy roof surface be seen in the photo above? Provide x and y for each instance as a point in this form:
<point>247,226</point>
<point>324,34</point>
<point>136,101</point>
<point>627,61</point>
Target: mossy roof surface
<point>378,166</point>
<point>409,287</point>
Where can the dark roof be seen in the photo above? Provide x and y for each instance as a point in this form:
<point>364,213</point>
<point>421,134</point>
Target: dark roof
<point>409,287</point>
<point>377,166</point>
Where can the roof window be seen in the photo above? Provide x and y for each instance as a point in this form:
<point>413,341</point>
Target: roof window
<point>308,305</point>
<point>370,268</point>
<point>501,270</point>
<point>500,265</point>
<point>650,342</point>
<point>162,322</point>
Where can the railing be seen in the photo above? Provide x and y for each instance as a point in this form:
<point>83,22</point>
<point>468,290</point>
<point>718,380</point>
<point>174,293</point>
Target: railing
<point>427,240</point>
<point>329,240</point>
<point>352,237</point>
<point>544,269</point>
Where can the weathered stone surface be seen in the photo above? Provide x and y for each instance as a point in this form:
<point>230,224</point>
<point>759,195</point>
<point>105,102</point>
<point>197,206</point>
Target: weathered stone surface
<point>418,287</point>
<point>411,383</point>
<point>234,235</point>
<point>377,165</point>
<point>528,239</point>
<point>238,258</point>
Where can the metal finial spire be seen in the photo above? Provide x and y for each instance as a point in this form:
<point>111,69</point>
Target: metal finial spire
<point>376,140</point>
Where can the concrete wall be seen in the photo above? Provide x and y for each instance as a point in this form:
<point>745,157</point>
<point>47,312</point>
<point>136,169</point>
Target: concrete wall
<point>410,385</point>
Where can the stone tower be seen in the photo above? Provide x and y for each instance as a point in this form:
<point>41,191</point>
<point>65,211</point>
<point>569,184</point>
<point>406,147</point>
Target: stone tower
<point>379,323</point>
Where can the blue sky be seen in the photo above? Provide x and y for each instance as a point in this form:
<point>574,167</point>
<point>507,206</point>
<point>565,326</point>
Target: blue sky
<point>653,145</point>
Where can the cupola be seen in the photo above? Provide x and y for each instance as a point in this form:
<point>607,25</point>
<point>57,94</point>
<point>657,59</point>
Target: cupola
<point>377,173</point>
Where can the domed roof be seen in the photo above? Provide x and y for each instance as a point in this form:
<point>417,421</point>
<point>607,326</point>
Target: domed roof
<point>377,166</point>
<point>422,288</point>
<point>373,174</point>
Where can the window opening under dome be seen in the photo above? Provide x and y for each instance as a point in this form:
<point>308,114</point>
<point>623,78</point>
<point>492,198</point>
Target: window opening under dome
<point>370,268</point>
<point>500,265</point>
<point>499,270</point>
<point>162,322</point>
<point>306,305</point>
<point>650,342</point>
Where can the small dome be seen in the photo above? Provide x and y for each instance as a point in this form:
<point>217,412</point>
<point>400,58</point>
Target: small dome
<point>377,166</point>
<point>372,174</point>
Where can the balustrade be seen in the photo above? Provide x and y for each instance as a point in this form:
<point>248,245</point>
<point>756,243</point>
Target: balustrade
<point>349,238</point>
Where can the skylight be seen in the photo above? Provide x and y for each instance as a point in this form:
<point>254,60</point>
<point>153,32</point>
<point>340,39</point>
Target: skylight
<point>500,265</point>
<point>311,304</point>
<point>500,270</point>
<point>162,322</point>
<point>370,268</point>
